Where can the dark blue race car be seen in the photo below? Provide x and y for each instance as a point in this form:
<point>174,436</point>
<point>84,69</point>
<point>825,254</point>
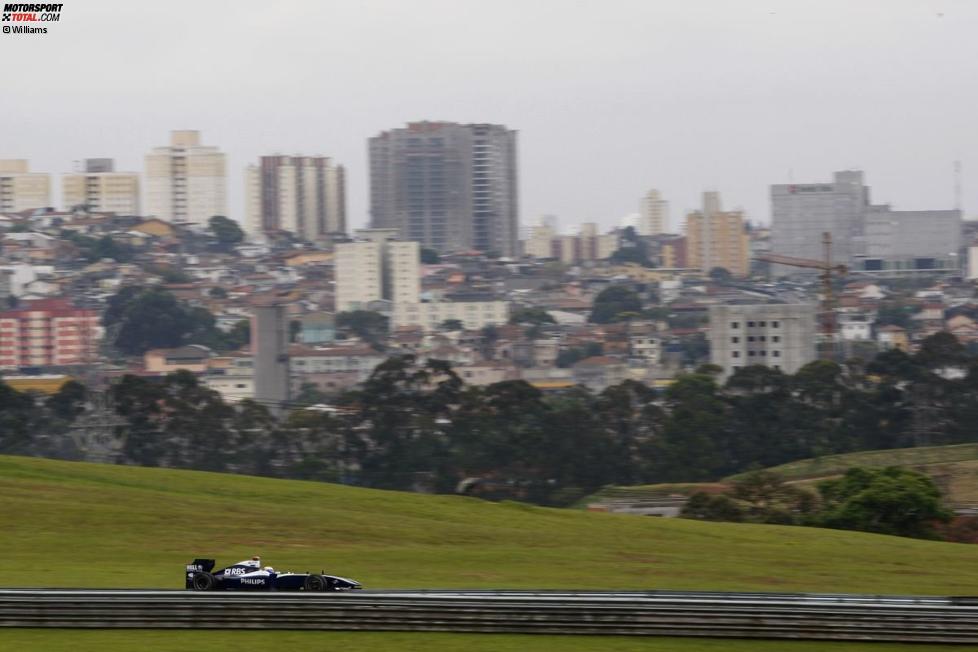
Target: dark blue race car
<point>249,575</point>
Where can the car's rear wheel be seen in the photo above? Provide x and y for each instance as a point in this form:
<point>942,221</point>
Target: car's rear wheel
<point>314,583</point>
<point>203,582</point>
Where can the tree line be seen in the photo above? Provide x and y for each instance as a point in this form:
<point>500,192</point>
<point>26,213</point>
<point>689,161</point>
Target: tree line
<point>415,424</point>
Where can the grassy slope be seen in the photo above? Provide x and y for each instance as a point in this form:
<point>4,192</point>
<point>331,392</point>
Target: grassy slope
<point>835,464</point>
<point>71,524</point>
<point>137,527</point>
<point>955,468</point>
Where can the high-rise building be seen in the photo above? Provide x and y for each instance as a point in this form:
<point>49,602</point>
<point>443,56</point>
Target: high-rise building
<point>448,186</point>
<point>21,189</point>
<point>101,189</point>
<point>653,214</point>
<point>717,238</point>
<point>185,181</point>
<point>305,195</point>
<point>781,336</point>
<point>867,237</point>
<point>269,345</point>
<point>376,267</point>
<point>801,212</point>
<point>48,333</point>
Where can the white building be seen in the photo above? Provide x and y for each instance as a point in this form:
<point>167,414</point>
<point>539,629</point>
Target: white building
<point>781,336</point>
<point>185,181</point>
<point>540,242</point>
<point>232,388</point>
<point>304,195</point>
<point>474,315</point>
<point>653,214</point>
<point>21,189</point>
<point>376,267</point>
<point>101,189</point>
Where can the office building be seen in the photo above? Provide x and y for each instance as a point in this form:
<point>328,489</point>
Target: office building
<point>801,212</point>
<point>21,189</point>
<point>376,267</point>
<point>717,238</point>
<point>866,237</point>
<point>781,336</point>
<point>653,214</point>
<point>101,189</point>
<point>898,241</point>
<point>185,181</point>
<point>451,187</point>
<point>48,333</point>
<point>304,195</point>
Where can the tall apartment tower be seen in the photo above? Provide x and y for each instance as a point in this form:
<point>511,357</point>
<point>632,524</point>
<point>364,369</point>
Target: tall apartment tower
<point>781,336</point>
<point>269,346</point>
<point>801,212</point>
<point>448,186</point>
<point>185,181</point>
<point>21,189</point>
<point>101,189</point>
<point>305,195</point>
<point>653,214</point>
<point>375,267</point>
<point>717,238</point>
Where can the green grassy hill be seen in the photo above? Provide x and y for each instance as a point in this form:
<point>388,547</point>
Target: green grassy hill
<point>953,468</point>
<point>74,524</point>
<point>818,467</point>
<point>86,525</point>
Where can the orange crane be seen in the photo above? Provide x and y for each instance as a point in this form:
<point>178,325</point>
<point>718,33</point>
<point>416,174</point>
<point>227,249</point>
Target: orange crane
<point>828,299</point>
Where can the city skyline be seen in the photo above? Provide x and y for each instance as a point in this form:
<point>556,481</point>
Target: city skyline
<point>620,93</point>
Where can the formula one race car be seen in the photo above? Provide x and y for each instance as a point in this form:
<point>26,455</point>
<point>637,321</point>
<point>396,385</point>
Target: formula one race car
<point>250,576</point>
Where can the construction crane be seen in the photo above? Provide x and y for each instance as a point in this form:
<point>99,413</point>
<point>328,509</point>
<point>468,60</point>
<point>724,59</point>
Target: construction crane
<point>828,298</point>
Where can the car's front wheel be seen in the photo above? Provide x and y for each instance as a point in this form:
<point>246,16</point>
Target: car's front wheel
<point>203,582</point>
<point>314,583</point>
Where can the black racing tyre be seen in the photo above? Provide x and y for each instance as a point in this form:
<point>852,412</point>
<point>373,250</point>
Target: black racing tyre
<point>203,581</point>
<point>314,583</point>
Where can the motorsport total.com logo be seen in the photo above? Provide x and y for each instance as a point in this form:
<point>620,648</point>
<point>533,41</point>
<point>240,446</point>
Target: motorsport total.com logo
<point>29,13</point>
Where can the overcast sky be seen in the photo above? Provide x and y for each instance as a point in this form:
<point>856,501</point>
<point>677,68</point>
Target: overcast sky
<point>611,97</point>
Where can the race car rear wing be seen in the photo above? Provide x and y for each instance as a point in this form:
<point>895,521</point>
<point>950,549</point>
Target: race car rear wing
<point>205,565</point>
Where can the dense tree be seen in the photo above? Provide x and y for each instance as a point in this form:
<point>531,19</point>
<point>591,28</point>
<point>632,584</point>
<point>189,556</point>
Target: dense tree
<point>569,357</point>
<point>888,501</point>
<point>227,232</point>
<point>367,325</point>
<point>612,302</point>
<point>533,316</point>
<point>631,249</point>
<point>16,417</point>
<point>143,319</point>
<point>720,274</point>
<point>451,325</point>
<point>69,401</point>
<point>430,256</point>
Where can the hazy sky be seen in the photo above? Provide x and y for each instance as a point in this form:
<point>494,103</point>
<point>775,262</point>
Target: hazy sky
<point>610,97</point>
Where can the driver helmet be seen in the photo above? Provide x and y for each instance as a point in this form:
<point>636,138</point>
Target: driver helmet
<point>269,569</point>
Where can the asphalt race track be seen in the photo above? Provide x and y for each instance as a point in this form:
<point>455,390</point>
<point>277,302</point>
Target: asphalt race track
<point>666,613</point>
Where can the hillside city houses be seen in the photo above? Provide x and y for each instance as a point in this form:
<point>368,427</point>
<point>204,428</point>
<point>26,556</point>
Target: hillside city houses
<point>446,269</point>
